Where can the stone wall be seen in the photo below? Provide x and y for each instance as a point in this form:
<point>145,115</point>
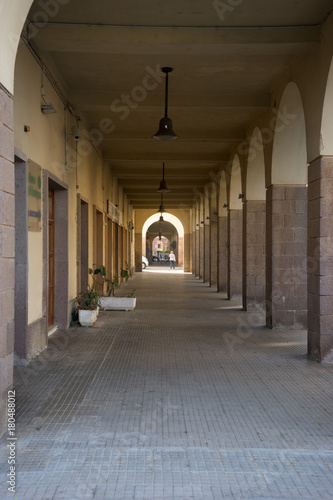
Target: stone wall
<point>235,264</point>
<point>223,254</point>
<point>206,276</point>
<point>320,259</point>
<point>201,252</point>
<point>286,234</point>
<point>254,257</point>
<point>214,264</point>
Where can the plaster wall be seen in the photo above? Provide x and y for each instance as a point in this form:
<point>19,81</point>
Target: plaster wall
<point>49,144</point>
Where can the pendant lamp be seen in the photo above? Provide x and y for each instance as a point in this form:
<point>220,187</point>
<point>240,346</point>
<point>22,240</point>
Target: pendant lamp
<point>165,131</point>
<point>163,185</point>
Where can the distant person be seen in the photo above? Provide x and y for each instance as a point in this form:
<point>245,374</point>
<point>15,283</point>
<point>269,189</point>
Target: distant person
<point>172,259</point>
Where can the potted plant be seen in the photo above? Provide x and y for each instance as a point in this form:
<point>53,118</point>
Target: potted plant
<point>109,283</point>
<point>88,305</point>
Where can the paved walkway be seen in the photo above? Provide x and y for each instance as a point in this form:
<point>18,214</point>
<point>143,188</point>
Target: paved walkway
<point>186,397</point>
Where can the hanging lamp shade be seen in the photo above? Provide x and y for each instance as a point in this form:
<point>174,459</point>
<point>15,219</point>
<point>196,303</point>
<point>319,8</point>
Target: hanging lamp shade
<point>163,185</point>
<point>165,131</point>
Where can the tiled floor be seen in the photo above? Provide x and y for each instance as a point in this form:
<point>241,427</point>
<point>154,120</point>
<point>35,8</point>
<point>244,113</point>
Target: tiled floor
<point>186,397</point>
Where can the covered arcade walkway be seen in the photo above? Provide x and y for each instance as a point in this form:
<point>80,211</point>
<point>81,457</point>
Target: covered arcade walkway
<point>186,397</point>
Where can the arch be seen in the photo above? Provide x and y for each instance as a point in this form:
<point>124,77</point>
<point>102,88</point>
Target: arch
<point>168,218</point>
<point>326,147</point>
<point>289,157</point>
<point>235,187</point>
<point>12,18</point>
<point>255,172</point>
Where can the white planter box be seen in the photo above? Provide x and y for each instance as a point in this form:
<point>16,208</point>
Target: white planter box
<point>117,303</point>
<point>87,317</point>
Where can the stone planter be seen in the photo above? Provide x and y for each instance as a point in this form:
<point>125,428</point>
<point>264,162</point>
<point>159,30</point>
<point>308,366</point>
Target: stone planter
<point>117,303</point>
<point>87,317</point>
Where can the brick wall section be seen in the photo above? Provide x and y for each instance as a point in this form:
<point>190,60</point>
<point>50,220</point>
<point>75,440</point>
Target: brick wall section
<point>254,255</point>
<point>7,251</point>
<point>320,259</point>
<point>286,237</point>
<point>201,252</point>
<point>214,253</point>
<point>235,264</point>
<point>207,253</point>
<point>223,254</point>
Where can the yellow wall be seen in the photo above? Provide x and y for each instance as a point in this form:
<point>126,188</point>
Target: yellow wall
<point>45,145</point>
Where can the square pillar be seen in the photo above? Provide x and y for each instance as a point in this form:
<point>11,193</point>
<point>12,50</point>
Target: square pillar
<point>235,267</point>
<point>201,252</point>
<point>7,251</point>
<point>197,252</point>
<point>187,252</point>
<point>320,259</point>
<point>223,254</point>
<point>193,252</point>
<point>206,276</point>
<point>286,260</point>
<point>254,255</point>
<point>214,253</point>
<point>138,252</point>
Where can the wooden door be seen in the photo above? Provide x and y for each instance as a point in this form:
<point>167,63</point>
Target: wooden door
<point>51,259</point>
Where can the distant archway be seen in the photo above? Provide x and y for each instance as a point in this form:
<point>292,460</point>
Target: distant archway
<point>168,218</point>
<point>155,226</point>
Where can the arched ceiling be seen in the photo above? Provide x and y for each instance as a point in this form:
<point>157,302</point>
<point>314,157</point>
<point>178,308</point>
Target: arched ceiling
<point>226,65</point>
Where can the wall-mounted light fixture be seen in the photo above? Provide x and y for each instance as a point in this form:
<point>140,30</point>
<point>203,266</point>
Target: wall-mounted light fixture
<point>26,128</point>
<point>225,205</point>
<point>240,196</point>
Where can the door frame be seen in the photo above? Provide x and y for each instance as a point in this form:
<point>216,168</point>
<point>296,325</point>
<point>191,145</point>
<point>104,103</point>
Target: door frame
<point>62,308</point>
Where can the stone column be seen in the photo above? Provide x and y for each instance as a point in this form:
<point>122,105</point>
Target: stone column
<point>223,254</point>
<point>320,259</point>
<point>235,237</point>
<point>7,251</point>
<point>202,252</point>
<point>138,252</point>
<point>206,275</point>
<point>197,252</point>
<point>194,250</point>
<point>214,253</point>
<point>286,237</point>
<point>254,255</point>
<point>187,252</point>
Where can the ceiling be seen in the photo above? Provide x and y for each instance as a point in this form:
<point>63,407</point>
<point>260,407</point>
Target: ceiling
<point>225,67</point>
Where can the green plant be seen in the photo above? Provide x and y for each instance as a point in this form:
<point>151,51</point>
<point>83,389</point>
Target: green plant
<point>88,299</point>
<point>125,273</point>
<point>110,281</point>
